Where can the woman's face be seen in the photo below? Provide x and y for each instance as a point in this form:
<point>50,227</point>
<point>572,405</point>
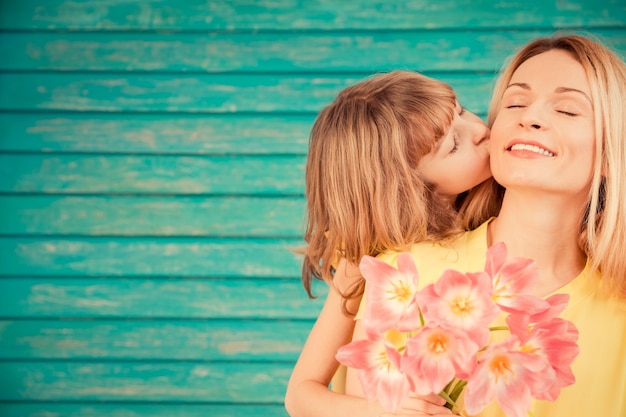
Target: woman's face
<point>460,160</point>
<point>543,135</point>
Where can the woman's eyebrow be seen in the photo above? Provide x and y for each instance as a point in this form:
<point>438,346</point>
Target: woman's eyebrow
<point>521,85</point>
<point>572,90</point>
<point>556,90</point>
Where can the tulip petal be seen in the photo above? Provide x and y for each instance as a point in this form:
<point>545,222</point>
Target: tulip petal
<point>390,295</point>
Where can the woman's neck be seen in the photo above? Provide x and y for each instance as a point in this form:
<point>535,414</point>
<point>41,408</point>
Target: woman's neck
<point>545,229</point>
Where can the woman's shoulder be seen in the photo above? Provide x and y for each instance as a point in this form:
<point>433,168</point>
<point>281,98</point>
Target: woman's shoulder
<point>465,253</point>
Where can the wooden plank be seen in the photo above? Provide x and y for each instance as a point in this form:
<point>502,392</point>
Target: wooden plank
<point>242,382</point>
<point>212,93</point>
<point>427,51</point>
<point>180,257</point>
<point>152,174</point>
<point>213,340</point>
<point>156,134</point>
<point>173,298</point>
<point>307,15</point>
<point>153,216</point>
<point>141,410</point>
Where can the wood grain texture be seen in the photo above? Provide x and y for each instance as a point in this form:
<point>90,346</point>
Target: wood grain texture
<point>165,298</point>
<point>241,382</point>
<point>152,174</point>
<point>144,15</point>
<point>158,339</point>
<point>200,93</point>
<point>176,257</point>
<point>191,134</point>
<point>98,409</point>
<point>358,51</point>
<point>175,215</point>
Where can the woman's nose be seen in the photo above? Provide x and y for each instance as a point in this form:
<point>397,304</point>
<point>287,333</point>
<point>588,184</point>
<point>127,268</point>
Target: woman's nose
<point>533,118</point>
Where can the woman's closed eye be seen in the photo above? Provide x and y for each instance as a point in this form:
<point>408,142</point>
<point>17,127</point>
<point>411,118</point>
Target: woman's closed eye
<point>514,106</point>
<point>569,108</point>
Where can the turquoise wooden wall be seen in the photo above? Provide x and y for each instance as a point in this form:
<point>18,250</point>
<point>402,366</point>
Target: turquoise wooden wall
<point>151,182</point>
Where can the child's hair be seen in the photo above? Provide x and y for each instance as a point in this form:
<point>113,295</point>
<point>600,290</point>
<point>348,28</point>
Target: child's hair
<point>603,228</point>
<point>364,193</point>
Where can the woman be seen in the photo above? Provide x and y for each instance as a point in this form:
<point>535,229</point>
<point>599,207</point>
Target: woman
<point>558,120</point>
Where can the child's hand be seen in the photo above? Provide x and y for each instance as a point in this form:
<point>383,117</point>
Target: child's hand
<point>430,405</point>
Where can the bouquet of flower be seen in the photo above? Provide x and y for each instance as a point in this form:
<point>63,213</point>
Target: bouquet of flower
<point>441,339</point>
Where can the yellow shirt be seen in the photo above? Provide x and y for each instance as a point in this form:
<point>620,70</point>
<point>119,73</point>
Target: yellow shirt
<point>600,368</point>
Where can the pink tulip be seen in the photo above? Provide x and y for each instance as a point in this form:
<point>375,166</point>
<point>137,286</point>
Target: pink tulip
<point>378,362</point>
<point>555,340</point>
<point>460,301</point>
<point>447,330</point>
<point>557,303</point>
<point>513,281</point>
<point>520,323</point>
<point>435,356</point>
<point>390,295</point>
<point>510,376</point>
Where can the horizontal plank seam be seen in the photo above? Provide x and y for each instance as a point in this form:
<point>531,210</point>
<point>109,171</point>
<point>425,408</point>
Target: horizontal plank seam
<point>182,114</point>
<point>237,73</point>
<point>151,194</point>
<point>321,31</point>
<point>147,402</point>
<point>151,238</point>
<point>146,361</point>
<point>159,236</point>
<point>155,319</point>
<point>154,277</point>
<point>165,153</point>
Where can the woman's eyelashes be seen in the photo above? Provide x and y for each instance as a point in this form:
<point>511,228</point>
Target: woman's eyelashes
<point>514,103</point>
<point>565,106</point>
<point>566,112</point>
<point>570,109</point>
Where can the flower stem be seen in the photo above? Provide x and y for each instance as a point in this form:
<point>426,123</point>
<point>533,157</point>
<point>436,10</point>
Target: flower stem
<point>496,328</point>
<point>458,388</point>
<point>450,403</point>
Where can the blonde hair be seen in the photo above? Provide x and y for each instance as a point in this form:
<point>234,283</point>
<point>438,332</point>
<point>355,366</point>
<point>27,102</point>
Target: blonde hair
<point>603,228</point>
<point>364,193</point>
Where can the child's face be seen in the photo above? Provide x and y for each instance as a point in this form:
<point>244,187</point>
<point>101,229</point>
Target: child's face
<point>460,160</point>
<point>544,136</point>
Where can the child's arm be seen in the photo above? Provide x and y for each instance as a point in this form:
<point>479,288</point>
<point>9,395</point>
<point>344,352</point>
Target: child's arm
<point>308,394</point>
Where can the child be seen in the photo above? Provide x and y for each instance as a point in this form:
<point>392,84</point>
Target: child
<point>391,161</point>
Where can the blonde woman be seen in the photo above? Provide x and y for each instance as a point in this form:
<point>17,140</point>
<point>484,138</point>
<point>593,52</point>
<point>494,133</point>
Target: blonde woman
<point>558,131</point>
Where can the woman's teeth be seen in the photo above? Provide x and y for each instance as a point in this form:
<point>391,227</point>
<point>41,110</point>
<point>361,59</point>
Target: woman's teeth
<point>531,148</point>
